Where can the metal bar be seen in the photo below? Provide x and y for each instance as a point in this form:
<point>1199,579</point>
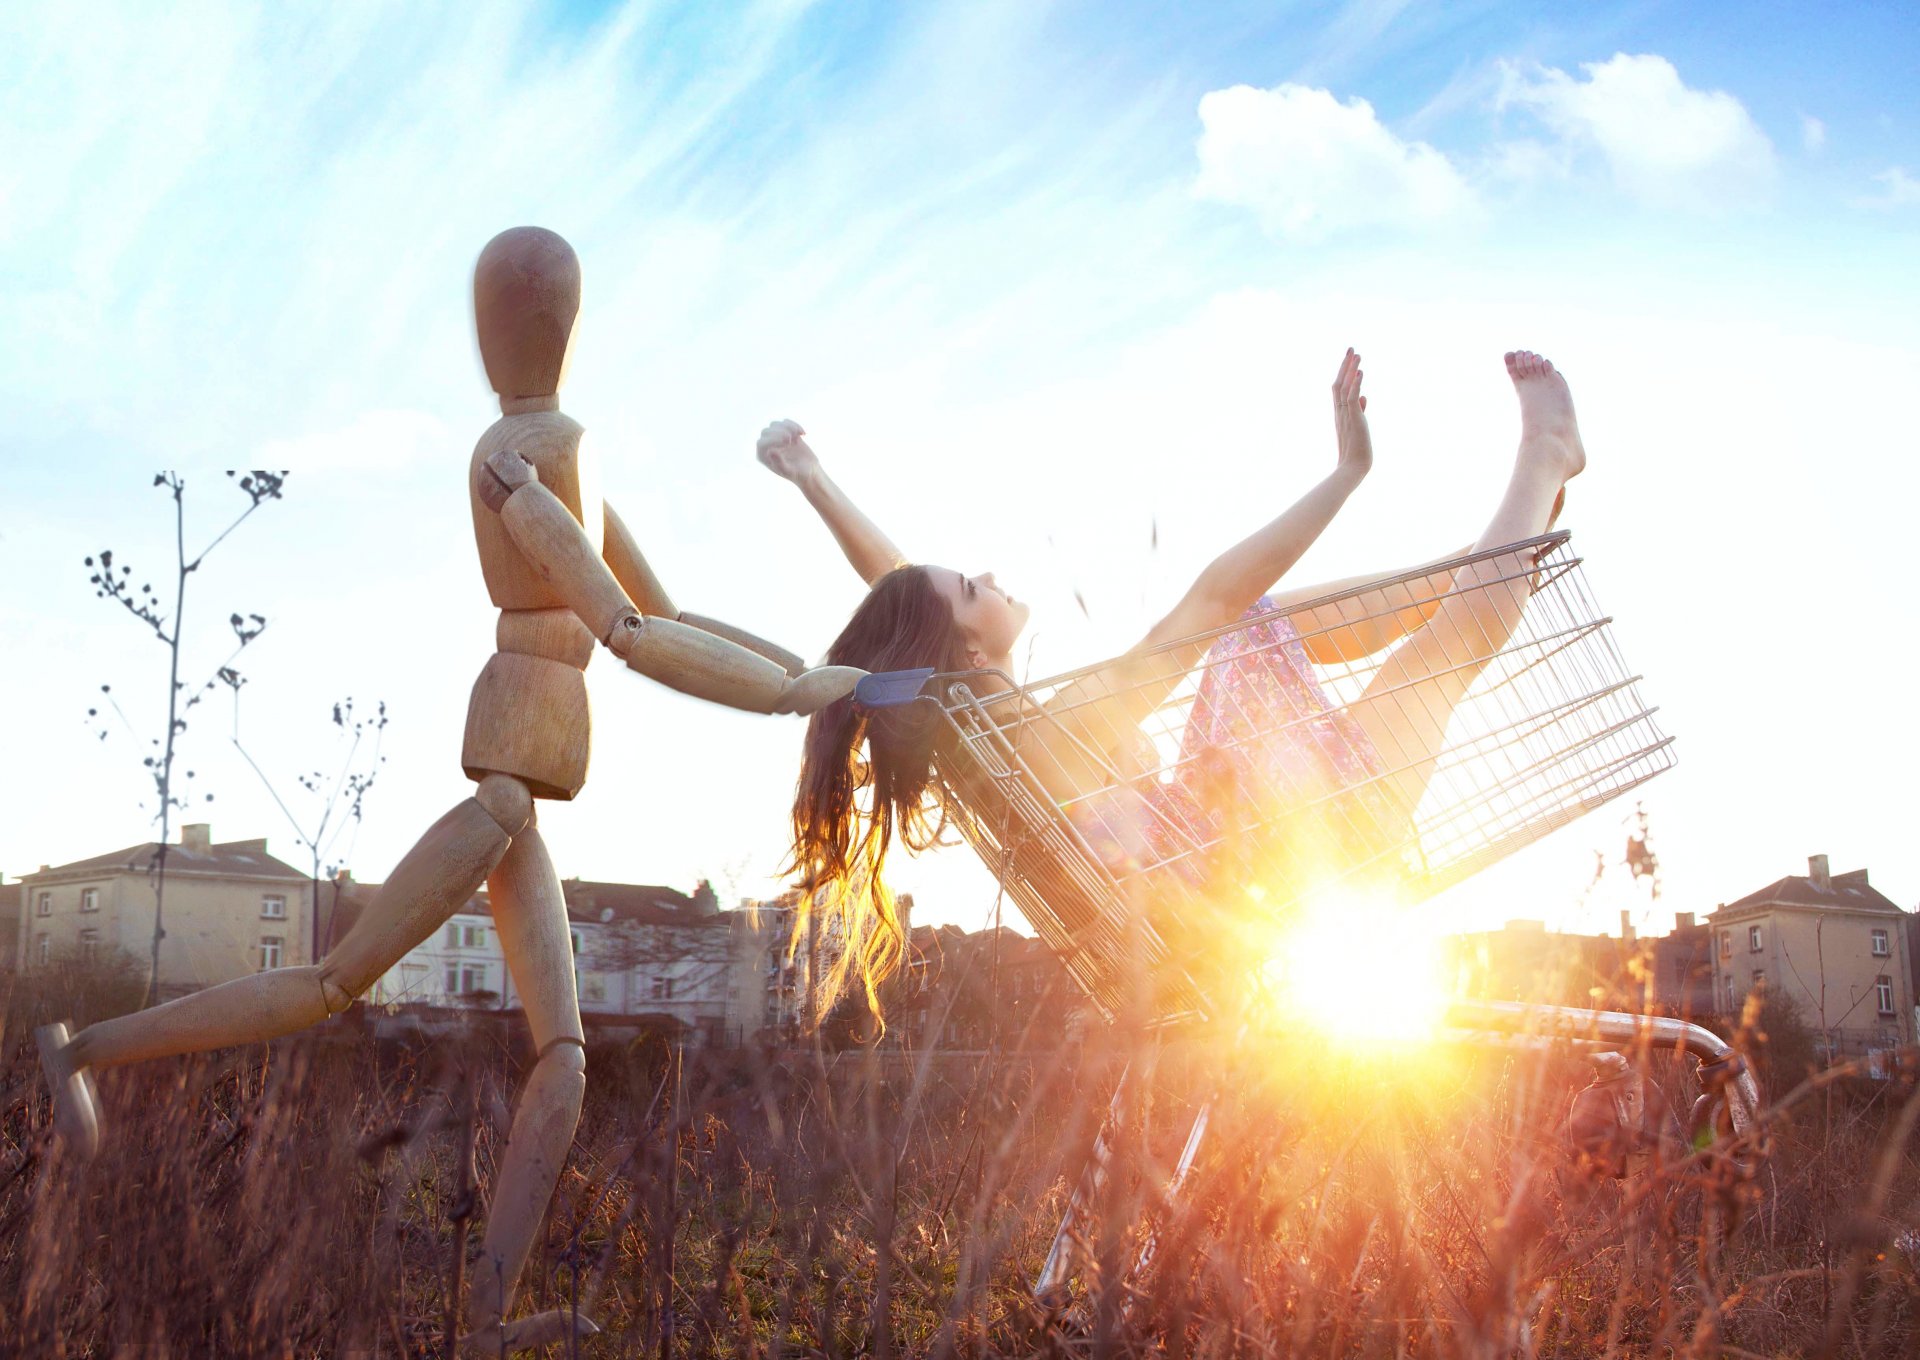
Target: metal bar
<point>1050,1286</point>
<point>1616,1027</point>
<point>1150,1247</point>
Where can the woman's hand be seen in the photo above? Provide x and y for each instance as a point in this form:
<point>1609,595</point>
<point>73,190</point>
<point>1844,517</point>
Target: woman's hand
<point>784,451</point>
<point>1350,417</point>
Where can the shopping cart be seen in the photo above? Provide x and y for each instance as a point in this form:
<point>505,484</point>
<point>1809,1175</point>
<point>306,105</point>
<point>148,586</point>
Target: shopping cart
<point>1138,815</point>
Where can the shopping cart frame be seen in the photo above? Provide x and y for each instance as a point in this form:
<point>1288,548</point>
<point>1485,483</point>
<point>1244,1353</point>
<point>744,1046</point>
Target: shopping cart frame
<point>1519,770</point>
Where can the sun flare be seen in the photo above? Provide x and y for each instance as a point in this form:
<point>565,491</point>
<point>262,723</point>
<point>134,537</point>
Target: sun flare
<point>1358,968</point>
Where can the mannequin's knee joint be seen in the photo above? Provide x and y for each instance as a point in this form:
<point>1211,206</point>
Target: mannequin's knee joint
<point>507,801</point>
<point>333,996</point>
<point>566,1053</point>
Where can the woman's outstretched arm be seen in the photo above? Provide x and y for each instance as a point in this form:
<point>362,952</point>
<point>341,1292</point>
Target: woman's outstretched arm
<point>1096,711</point>
<point>1246,571</point>
<point>784,450</point>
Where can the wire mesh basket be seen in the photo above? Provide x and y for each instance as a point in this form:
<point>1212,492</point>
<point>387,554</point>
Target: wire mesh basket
<point>1146,811</point>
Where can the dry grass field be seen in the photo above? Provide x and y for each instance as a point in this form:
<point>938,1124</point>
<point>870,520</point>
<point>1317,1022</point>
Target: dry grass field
<point>310,1199</point>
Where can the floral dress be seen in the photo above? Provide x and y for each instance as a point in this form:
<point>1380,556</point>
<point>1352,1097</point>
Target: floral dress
<point>1274,781</point>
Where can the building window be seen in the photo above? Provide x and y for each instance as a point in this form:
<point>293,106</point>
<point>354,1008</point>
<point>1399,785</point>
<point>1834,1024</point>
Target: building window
<point>270,952</point>
<point>1754,939</point>
<point>1880,950</point>
<point>89,899</point>
<point>662,988</point>
<point>464,979</point>
<point>1759,978</point>
<point>1883,993</point>
<point>273,908</point>
<point>44,907</point>
<point>46,949</point>
<point>578,943</point>
<point>593,987</point>
<point>89,946</point>
<point>462,936</point>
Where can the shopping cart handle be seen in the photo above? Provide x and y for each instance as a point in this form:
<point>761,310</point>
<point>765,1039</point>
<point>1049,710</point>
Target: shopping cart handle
<point>891,689</point>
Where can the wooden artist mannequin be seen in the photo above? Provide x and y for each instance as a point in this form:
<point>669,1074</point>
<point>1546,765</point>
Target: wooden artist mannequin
<point>565,574</point>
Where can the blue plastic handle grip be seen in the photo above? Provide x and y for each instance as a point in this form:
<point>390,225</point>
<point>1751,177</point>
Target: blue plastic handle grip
<point>891,689</point>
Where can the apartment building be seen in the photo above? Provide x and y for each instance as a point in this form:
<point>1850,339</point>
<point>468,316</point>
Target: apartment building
<point>645,957</point>
<point>1682,964</point>
<point>9,923</point>
<point>230,909</point>
<point>1833,944</point>
<point>767,991</point>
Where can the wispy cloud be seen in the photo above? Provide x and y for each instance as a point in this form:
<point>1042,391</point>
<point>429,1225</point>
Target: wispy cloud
<point>1898,189</point>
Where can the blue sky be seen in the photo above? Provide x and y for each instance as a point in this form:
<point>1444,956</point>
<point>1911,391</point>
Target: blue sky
<point>1039,279</point>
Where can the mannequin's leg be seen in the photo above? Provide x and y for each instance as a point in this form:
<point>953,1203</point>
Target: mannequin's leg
<point>439,874</point>
<point>531,916</point>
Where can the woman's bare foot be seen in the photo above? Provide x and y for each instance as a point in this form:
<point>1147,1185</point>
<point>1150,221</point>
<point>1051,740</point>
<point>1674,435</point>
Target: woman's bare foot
<point>1548,429</point>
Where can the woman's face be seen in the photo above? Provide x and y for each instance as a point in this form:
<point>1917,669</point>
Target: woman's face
<point>988,617</point>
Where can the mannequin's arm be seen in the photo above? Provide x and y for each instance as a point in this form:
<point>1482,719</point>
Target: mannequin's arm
<point>673,653</point>
<point>630,569</point>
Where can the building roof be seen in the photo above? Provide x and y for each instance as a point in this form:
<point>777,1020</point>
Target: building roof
<point>587,901</point>
<point>246,859</point>
<point>1849,891</point>
<point>931,945</point>
<point>639,903</point>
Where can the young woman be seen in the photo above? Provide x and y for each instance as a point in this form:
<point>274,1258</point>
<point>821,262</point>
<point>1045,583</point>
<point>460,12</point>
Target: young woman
<point>849,808</point>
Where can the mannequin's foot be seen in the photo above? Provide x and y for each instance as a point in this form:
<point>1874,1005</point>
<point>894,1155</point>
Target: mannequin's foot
<point>539,1329</point>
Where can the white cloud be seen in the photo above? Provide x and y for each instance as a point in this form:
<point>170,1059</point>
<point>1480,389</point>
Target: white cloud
<point>1311,166</point>
<point>1897,189</point>
<point>374,441</point>
<point>1813,134</point>
<point>1528,160</point>
<point>1665,143</point>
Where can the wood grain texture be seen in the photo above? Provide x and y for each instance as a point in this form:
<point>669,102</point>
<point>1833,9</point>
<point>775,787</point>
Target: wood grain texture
<point>432,881</point>
<point>556,634</point>
<point>552,442</point>
<point>698,663</point>
<point>551,541</point>
<point>528,718</point>
<point>526,297</point>
<point>772,651</point>
<point>530,913</point>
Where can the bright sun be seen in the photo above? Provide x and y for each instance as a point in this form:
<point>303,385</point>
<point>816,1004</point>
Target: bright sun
<point>1358,968</point>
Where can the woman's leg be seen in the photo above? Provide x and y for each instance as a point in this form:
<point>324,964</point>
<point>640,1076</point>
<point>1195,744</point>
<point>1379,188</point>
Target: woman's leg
<point>1407,705</point>
<point>439,874</point>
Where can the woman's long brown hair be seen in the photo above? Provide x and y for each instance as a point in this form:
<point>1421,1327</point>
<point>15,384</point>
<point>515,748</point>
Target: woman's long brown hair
<point>847,809</point>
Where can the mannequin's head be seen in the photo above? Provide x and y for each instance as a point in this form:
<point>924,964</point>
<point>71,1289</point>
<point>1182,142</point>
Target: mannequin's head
<point>526,294</point>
